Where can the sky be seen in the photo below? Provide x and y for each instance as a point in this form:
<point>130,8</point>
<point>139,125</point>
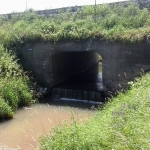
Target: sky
<point>9,6</point>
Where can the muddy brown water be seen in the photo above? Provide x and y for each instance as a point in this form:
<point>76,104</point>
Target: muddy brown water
<point>29,124</point>
<point>23,132</point>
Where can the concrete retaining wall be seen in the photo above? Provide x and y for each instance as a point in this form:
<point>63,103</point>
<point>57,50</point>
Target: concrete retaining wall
<point>122,62</point>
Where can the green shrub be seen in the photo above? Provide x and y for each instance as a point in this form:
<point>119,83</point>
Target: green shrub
<point>111,22</point>
<point>14,85</point>
<point>15,92</point>
<point>30,27</point>
<point>5,110</point>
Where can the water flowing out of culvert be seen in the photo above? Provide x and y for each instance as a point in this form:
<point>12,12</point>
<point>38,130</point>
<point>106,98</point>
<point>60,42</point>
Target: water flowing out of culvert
<point>23,132</point>
<point>86,85</point>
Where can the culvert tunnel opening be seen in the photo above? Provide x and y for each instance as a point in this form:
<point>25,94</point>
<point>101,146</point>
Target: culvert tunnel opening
<point>78,76</point>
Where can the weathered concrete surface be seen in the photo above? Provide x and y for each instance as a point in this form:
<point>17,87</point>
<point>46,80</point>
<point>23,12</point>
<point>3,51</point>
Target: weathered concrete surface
<point>122,62</point>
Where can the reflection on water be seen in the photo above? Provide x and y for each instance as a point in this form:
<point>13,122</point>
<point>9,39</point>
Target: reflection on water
<point>29,124</point>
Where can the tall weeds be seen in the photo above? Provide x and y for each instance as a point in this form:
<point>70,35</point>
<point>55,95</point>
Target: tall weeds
<point>115,22</point>
<point>14,85</point>
<point>118,22</point>
<point>122,124</point>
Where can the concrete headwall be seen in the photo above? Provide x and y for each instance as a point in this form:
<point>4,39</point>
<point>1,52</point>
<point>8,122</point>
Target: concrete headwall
<point>122,62</point>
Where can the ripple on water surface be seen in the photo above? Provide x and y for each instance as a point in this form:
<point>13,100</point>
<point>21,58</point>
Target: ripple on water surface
<point>23,132</point>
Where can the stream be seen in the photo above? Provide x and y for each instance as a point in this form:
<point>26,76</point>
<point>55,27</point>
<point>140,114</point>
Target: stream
<point>30,123</point>
<point>71,101</point>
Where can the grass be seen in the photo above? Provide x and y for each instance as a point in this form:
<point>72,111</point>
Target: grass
<point>122,124</point>
<point>112,23</point>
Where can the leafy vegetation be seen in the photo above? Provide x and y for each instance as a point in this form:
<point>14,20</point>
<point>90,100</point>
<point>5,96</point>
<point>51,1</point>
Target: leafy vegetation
<point>115,22</point>
<point>123,124</point>
<point>14,85</point>
<point>118,22</point>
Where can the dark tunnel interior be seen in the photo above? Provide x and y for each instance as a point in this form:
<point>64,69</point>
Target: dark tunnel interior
<point>78,75</point>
